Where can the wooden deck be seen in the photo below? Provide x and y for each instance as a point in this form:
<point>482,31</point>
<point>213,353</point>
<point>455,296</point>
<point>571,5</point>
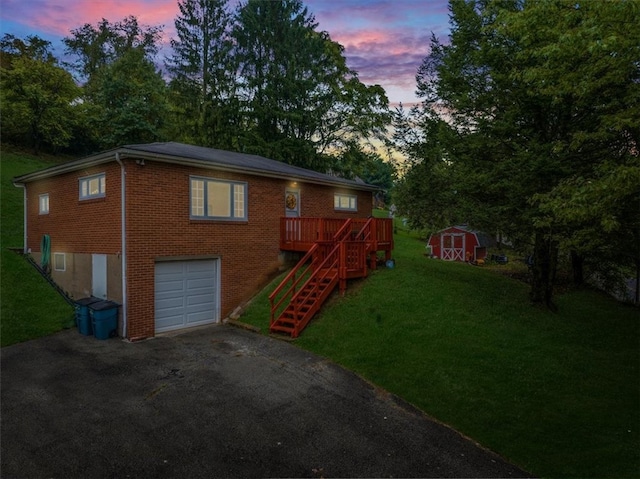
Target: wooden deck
<point>300,234</point>
<point>336,250</point>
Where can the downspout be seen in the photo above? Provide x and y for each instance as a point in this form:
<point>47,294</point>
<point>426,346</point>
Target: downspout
<point>123,236</point>
<point>25,250</point>
<point>24,229</point>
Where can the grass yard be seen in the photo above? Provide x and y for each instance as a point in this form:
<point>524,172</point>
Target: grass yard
<point>557,394</point>
<point>24,294</point>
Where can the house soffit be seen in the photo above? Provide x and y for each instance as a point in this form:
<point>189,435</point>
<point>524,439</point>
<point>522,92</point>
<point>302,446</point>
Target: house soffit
<point>232,162</point>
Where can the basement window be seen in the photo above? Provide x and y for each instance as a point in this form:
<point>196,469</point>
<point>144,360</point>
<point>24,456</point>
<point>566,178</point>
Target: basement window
<point>345,202</point>
<point>218,199</point>
<point>43,204</point>
<point>59,262</point>
<point>92,187</point>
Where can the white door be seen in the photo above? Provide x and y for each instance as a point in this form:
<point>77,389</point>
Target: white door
<point>99,275</point>
<point>453,246</point>
<point>186,294</point>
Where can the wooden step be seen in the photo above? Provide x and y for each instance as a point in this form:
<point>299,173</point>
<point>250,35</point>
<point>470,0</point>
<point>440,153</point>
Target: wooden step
<point>282,329</point>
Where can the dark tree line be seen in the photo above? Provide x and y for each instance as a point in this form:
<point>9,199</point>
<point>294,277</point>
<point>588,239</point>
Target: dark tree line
<point>259,79</point>
<point>530,126</point>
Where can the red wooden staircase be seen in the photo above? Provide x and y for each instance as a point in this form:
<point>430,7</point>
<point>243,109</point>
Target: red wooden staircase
<point>327,263</point>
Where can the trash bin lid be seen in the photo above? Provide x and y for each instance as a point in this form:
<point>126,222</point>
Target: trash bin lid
<point>102,305</point>
<point>87,301</point>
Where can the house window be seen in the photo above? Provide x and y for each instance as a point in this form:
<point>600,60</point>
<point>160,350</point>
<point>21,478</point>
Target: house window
<point>59,262</point>
<point>218,199</point>
<point>92,187</point>
<point>345,202</point>
<point>43,202</point>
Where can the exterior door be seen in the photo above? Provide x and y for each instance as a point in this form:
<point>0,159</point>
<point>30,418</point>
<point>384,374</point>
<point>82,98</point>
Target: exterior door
<point>187,293</point>
<point>292,210</point>
<point>99,275</point>
<point>452,247</point>
<point>292,203</point>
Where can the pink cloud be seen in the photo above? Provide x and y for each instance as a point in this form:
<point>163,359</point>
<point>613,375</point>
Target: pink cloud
<point>58,17</point>
<point>385,40</point>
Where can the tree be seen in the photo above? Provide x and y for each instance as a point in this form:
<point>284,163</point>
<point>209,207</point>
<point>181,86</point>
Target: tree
<point>128,101</point>
<point>427,192</point>
<point>203,74</point>
<point>97,46</point>
<point>537,93</point>
<point>124,96</point>
<point>298,99</point>
<point>603,215</point>
<point>37,95</point>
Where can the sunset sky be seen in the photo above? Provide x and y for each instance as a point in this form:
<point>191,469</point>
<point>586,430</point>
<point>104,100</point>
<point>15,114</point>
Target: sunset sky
<point>385,41</point>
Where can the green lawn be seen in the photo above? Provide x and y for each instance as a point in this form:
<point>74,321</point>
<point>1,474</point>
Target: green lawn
<point>29,307</point>
<point>557,394</point>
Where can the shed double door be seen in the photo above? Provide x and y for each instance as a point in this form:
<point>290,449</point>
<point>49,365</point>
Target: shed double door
<point>453,246</point>
<point>187,293</point>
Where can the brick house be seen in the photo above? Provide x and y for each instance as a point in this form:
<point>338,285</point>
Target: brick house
<point>179,235</point>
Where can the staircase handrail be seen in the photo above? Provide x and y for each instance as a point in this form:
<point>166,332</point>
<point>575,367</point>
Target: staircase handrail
<point>325,265</point>
<point>343,231</point>
<point>292,290</point>
<point>365,232</point>
<point>290,277</point>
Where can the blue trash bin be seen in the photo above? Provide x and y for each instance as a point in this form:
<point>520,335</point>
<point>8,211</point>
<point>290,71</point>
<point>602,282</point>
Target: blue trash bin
<point>83,321</point>
<point>104,319</point>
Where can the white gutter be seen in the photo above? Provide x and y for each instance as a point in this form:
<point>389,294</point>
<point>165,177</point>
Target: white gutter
<point>123,236</point>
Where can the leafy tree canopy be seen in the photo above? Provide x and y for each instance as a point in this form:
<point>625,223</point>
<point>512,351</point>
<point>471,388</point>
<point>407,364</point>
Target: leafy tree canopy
<point>37,95</point>
<point>535,96</point>
<point>97,46</point>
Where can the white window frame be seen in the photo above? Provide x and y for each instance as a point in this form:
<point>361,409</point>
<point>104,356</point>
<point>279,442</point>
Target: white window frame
<point>85,184</point>
<point>338,202</point>
<point>238,199</point>
<point>56,258</point>
<point>43,204</point>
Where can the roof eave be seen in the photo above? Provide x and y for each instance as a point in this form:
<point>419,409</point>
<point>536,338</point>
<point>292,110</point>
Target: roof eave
<point>93,160</point>
<point>110,155</point>
<point>237,169</point>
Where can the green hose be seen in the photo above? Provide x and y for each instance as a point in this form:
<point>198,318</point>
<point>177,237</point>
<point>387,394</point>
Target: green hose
<point>45,248</point>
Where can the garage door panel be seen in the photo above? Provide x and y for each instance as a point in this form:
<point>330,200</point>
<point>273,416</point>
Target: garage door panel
<point>202,317</point>
<point>200,301</point>
<point>170,287</point>
<point>186,294</point>
<point>169,267</point>
<point>199,266</point>
<point>200,283</point>
<point>169,306</point>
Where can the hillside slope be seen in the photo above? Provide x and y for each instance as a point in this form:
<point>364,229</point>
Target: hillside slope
<point>29,307</point>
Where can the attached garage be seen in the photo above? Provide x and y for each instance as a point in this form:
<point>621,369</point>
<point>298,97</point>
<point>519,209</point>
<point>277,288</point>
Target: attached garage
<point>187,293</point>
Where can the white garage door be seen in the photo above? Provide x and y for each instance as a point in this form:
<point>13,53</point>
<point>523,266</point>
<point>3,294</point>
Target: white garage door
<point>186,294</point>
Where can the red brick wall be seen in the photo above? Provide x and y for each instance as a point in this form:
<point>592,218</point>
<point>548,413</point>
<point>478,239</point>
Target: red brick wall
<point>75,226</point>
<point>158,225</point>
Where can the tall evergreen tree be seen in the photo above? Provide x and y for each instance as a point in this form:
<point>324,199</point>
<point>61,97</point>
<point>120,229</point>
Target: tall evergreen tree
<point>203,75</point>
<point>297,96</point>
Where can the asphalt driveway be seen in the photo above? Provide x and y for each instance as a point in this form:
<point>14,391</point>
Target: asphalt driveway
<point>212,402</point>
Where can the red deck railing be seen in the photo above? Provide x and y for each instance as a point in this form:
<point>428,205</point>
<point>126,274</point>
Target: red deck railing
<point>300,234</point>
<point>336,250</point>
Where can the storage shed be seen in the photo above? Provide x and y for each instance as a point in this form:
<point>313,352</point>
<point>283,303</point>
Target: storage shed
<point>459,243</point>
